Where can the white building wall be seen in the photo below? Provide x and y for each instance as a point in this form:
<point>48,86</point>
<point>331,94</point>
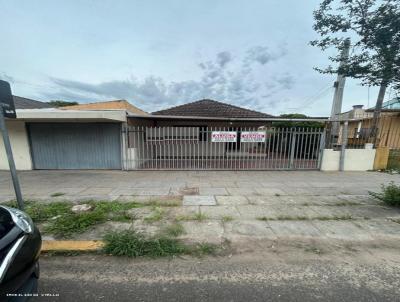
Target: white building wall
<point>354,160</point>
<point>19,145</point>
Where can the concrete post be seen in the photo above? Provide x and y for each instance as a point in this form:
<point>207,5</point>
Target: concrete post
<point>344,144</point>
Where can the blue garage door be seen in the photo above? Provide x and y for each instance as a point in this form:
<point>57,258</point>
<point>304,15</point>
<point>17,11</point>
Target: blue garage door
<point>75,145</point>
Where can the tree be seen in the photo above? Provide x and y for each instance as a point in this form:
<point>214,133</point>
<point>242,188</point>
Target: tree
<point>60,103</point>
<point>289,124</point>
<point>374,28</point>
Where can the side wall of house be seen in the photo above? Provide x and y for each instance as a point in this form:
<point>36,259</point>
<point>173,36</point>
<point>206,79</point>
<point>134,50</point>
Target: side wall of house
<point>19,145</point>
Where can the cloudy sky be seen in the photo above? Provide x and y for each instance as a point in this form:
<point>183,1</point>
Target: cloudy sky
<point>158,54</point>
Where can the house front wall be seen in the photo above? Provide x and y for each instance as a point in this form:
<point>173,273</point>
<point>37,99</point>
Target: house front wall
<point>19,145</point>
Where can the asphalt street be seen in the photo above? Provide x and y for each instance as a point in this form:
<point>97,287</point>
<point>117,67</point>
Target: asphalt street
<point>294,276</point>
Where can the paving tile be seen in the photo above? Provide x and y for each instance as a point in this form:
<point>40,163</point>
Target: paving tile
<point>213,191</point>
<point>252,212</point>
<point>380,228</point>
<point>186,211</point>
<point>184,191</point>
<point>96,191</point>
<point>217,212</point>
<point>285,228</point>
<point>242,191</point>
<point>342,230</point>
<point>200,200</point>
<point>206,231</point>
<point>270,191</point>
<point>231,200</point>
<point>251,228</point>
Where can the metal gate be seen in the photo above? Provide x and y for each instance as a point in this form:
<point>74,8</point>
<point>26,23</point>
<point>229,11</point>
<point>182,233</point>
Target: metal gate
<point>75,145</point>
<point>219,148</point>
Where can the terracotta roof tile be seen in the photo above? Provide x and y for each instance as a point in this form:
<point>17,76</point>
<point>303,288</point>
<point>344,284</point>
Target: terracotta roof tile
<point>211,108</point>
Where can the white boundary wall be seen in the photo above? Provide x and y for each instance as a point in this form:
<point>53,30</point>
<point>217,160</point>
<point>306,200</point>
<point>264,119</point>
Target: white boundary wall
<point>354,160</point>
<point>19,145</point>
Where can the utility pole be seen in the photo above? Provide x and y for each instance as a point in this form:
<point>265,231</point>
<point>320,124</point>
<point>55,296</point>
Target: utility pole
<point>339,89</point>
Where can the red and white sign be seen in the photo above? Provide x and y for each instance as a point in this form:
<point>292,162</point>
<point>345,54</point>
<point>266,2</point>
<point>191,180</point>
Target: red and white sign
<point>224,136</point>
<point>252,137</point>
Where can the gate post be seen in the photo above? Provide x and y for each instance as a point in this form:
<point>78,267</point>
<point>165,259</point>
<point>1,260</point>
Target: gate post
<point>343,147</point>
<point>293,145</point>
<point>321,148</point>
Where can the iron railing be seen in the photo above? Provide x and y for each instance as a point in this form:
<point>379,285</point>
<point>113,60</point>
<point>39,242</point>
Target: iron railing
<point>221,148</point>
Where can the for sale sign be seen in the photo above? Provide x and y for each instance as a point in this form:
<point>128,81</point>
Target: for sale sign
<point>223,136</point>
<point>252,137</point>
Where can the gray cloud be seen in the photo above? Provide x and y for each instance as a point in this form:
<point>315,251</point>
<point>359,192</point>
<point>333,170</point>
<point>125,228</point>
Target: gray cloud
<point>223,58</point>
<point>285,81</point>
<point>233,83</point>
<point>263,55</point>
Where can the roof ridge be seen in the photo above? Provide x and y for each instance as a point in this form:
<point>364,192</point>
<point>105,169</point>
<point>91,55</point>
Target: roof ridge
<point>226,105</point>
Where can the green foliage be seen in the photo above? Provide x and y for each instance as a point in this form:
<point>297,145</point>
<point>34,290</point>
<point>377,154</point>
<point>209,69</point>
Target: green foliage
<point>59,103</point>
<point>226,218</point>
<point>40,212</point>
<point>374,27</point>
<point>285,124</point>
<point>71,223</point>
<point>157,215</point>
<point>132,244</point>
<point>390,194</point>
<point>204,248</point>
<point>62,222</point>
<point>174,230</point>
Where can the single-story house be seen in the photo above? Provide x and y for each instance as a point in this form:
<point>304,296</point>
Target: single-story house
<point>205,134</point>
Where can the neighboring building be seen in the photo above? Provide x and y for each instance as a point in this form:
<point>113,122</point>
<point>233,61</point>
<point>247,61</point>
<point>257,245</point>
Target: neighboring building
<point>53,138</point>
<point>360,124</point>
<point>108,105</point>
<point>25,103</point>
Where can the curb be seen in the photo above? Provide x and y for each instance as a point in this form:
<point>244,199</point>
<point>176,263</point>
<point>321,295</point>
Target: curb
<point>71,245</point>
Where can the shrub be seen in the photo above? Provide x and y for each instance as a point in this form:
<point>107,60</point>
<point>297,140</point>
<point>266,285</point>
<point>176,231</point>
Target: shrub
<point>390,194</point>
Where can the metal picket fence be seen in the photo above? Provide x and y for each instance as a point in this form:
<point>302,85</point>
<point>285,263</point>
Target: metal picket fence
<point>221,148</point>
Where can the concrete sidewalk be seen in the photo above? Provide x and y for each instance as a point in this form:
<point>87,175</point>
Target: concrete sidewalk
<point>240,206</point>
<point>110,185</point>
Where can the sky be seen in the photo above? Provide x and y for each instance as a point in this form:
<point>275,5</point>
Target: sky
<point>158,54</point>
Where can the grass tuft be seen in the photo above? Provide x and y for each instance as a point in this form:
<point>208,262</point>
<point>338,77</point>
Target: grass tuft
<point>133,244</point>
<point>169,203</point>
<point>204,248</point>
<point>226,218</point>
<point>62,222</point>
<point>156,215</point>
<point>390,194</point>
<point>197,217</point>
<point>174,230</point>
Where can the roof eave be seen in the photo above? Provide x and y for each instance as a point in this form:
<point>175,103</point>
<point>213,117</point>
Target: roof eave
<point>197,118</point>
